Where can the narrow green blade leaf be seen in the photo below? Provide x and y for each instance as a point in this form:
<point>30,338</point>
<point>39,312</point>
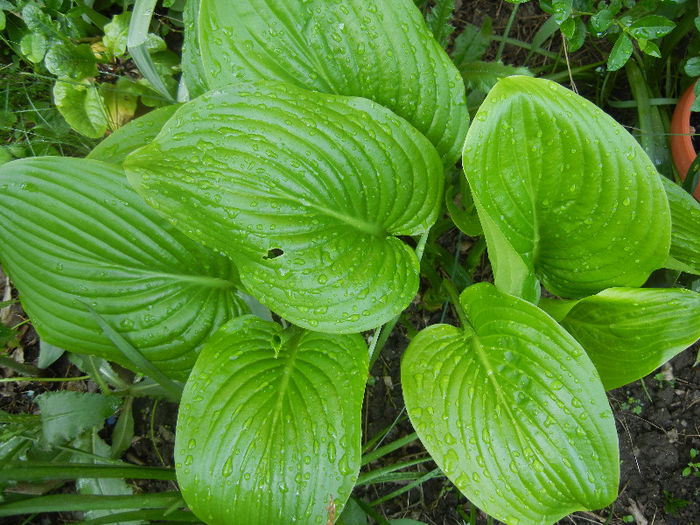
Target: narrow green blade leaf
<point>685,225</point>
<point>629,332</point>
<point>439,21</point>
<point>374,49</point>
<point>65,414</point>
<point>282,434</point>
<point>306,192</point>
<point>73,230</point>
<point>512,411</point>
<point>132,136</point>
<point>572,192</point>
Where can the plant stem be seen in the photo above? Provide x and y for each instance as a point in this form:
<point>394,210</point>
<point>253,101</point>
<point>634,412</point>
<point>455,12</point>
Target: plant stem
<point>43,379</point>
<point>511,19</point>
<point>22,368</point>
<point>387,449</point>
<point>454,299</point>
<point>25,471</point>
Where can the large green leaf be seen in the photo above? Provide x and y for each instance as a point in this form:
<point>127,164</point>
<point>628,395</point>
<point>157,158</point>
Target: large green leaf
<point>282,434</point>
<point>377,49</point>
<point>193,76</point>
<point>685,226</point>
<point>629,332</point>
<point>306,192</point>
<point>512,410</point>
<point>132,136</point>
<point>573,193</point>
<point>82,106</point>
<point>73,230</point>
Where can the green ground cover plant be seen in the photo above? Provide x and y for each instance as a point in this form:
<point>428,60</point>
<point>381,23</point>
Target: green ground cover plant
<point>233,247</point>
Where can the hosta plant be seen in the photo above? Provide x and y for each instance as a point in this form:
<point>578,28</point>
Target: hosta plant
<point>297,182</point>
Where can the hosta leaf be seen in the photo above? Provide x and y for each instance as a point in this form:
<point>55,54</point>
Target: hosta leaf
<point>376,49</point>
<point>73,230</point>
<point>512,411</point>
<point>132,136</point>
<point>685,225</point>
<point>193,75</point>
<point>629,332</point>
<point>306,192</point>
<point>568,187</point>
<point>282,435</point>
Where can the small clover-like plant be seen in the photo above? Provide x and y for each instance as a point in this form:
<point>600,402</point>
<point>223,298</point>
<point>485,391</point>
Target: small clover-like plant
<point>315,149</point>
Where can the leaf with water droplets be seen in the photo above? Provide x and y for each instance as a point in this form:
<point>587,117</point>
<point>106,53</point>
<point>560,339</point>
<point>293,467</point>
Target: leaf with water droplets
<point>73,231</point>
<point>282,432</point>
<point>376,49</point>
<point>629,332</point>
<point>305,192</point>
<point>685,226</point>
<point>512,410</point>
<point>569,189</point>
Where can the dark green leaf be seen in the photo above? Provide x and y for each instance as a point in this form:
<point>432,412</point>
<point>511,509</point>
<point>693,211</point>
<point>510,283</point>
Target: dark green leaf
<point>313,235</point>
<point>78,224</point>
<point>470,45</point>
<point>483,76</point>
<point>439,21</point>
<point>651,26</point>
<point>282,434</point>
<point>621,52</point>
<point>123,432</point>
<point>48,354</point>
<point>601,21</point>
<point>367,48</point>
<point>66,414</point>
<point>511,409</point>
<point>576,40</point>
<point>561,10</point>
<point>71,61</point>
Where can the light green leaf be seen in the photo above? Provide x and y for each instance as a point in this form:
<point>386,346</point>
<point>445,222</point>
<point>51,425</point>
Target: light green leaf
<point>571,191</point>
<point>119,103</point>
<point>3,20</point>
<point>306,192</point>
<point>66,414</point>
<point>685,225</point>
<point>73,230</point>
<point>482,76</point>
<point>100,486</point>
<point>72,61</point>
<point>512,411</point>
<point>82,106</point>
<point>282,436</point>
<point>48,354</point>
<point>621,52</point>
<point>629,332</point>
<point>33,46</point>
<point>193,74</point>
<point>132,136</point>
<point>116,33</point>
<point>368,48</point>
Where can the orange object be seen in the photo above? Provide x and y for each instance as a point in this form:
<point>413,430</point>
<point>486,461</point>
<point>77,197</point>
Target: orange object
<point>682,149</point>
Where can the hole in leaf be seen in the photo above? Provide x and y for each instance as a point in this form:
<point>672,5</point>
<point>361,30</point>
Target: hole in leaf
<point>273,253</point>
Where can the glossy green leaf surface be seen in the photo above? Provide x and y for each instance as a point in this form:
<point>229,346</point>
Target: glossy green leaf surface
<point>512,411</point>
<point>571,191</point>
<point>685,225</point>
<point>193,75</point>
<point>376,49</point>
<point>82,106</point>
<point>629,332</point>
<point>282,432</point>
<point>306,192</point>
<point>132,136</point>
<point>74,230</point>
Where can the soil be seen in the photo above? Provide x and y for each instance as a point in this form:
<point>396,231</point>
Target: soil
<point>657,419</point>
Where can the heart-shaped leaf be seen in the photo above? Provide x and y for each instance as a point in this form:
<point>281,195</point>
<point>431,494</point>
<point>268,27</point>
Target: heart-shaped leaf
<point>629,332</point>
<point>73,231</point>
<point>512,410</point>
<point>306,192</point>
<point>573,192</point>
<point>281,440</point>
<point>376,49</point>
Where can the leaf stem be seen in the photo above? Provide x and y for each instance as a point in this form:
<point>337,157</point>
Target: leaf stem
<point>43,379</point>
<point>454,299</point>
